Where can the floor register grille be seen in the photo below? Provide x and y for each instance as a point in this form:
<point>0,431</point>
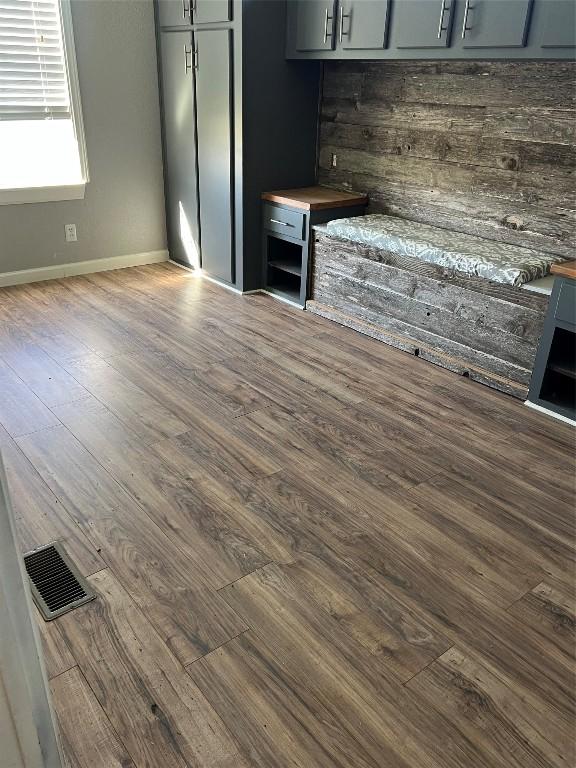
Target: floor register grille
<point>57,586</point>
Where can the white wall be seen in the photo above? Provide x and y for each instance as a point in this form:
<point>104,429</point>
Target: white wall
<point>123,211</point>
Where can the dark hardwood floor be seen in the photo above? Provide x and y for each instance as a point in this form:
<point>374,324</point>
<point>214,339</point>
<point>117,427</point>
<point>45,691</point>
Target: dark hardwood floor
<point>309,549</point>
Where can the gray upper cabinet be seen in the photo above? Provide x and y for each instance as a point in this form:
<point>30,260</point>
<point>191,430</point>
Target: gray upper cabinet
<point>361,24</point>
<point>495,23</point>
<point>179,126</point>
<point>559,25</point>
<point>422,23</point>
<point>315,24</point>
<point>211,11</point>
<point>174,13</point>
<point>431,29</point>
<point>178,13</point>
<point>214,126</point>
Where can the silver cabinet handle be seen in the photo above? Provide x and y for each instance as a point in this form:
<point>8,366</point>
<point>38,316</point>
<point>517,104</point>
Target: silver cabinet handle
<point>327,18</point>
<point>342,17</point>
<point>465,27</point>
<point>185,9</point>
<point>195,57</point>
<point>441,27</point>
<point>187,52</point>
<point>284,223</point>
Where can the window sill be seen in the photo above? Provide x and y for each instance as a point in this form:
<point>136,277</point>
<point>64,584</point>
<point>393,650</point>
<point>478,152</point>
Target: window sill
<point>42,194</point>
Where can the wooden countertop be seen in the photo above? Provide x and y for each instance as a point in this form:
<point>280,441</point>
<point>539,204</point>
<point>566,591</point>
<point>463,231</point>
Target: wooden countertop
<point>314,198</point>
<point>565,269</point>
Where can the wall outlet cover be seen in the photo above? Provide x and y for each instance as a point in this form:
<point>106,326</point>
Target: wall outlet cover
<point>70,233</point>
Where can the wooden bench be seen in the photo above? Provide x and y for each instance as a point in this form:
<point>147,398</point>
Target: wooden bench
<point>474,326</point>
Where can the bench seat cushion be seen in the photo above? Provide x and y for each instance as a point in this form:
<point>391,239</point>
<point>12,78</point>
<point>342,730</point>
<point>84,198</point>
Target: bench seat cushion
<point>465,254</point>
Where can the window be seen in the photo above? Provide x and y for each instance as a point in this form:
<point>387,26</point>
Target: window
<point>42,152</point>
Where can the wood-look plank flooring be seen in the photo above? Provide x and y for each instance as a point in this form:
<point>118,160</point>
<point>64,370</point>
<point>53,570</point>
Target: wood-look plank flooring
<point>310,549</point>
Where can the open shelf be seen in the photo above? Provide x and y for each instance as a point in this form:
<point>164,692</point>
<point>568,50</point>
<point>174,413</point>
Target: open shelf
<point>559,382</point>
<point>286,265</point>
<point>563,370</point>
<point>284,268</point>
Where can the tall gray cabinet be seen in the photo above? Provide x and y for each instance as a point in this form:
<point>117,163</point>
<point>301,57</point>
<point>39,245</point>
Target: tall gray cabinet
<point>237,119</point>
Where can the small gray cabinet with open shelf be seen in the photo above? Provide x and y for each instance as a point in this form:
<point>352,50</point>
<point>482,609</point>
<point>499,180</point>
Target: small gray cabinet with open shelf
<point>287,220</point>
<point>553,384</point>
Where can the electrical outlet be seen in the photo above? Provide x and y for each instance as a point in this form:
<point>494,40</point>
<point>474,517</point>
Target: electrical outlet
<point>334,160</point>
<point>70,232</point>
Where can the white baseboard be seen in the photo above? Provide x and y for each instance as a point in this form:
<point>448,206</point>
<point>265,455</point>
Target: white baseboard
<point>554,415</point>
<point>81,268</point>
<point>200,274</point>
<point>282,299</point>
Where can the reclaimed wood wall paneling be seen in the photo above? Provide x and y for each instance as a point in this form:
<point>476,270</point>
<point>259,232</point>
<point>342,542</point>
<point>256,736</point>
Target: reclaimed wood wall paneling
<point>486,148</point>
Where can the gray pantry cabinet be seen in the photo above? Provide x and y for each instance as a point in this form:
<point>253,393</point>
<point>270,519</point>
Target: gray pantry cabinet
<point>213,69</point>
<point>237,119</point>
<point>178,96</point>
<point>431,29</point>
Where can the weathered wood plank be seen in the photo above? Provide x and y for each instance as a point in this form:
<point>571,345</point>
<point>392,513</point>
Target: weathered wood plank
<point>398,338</point>
<point>480,147</point>
<point>437,317</point>
<point>551,190</point>
<point>450,147</point>
<point>525,224</point>
<point>532,302</point>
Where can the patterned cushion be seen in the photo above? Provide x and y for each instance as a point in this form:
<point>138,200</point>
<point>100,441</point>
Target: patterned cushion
<point>467,255</point>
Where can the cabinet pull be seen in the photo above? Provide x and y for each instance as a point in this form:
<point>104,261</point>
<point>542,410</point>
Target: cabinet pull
<point>187,53</point>
<point>465,27</point>
<point>185,9</point>
<point>441,27</point>
<point>284,223</point>
<point>195,57</point>
<point>327,18</point>
<point>342,17</point>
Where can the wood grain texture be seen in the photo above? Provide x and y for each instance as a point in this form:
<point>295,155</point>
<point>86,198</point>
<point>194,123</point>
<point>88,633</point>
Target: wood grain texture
<point>314,198</point>
<point>512,728</point>
<point>566,269</point>
<point>266,704</point>
<point>155,709</point>
<point>88,738</point>
<point>157,574</point>
<point>485,148</point>
<point>310,548</point>
<point>491,334</point>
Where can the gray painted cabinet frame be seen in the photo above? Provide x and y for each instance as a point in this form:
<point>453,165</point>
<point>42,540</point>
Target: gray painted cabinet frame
<point>256,119</point>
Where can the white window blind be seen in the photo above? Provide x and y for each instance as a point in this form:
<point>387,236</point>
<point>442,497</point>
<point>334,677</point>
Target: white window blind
<point>33,77</point>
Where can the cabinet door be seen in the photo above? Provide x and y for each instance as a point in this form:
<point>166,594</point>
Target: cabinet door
<point>214,126</point>
<point>210,11</point>
<point>495,23</point>
<point>315,25</point>
<point>422,23</point>
<point>173,13</point>
<point>362,24</point>
<point>559,24</point>
<point>178,124</point>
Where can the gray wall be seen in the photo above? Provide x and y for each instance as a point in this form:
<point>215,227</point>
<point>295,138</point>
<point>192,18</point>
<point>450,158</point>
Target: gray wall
<point>123,211</point>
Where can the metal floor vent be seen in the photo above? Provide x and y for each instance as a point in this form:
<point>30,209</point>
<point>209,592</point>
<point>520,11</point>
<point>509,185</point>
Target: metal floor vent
<point>57,586</point>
